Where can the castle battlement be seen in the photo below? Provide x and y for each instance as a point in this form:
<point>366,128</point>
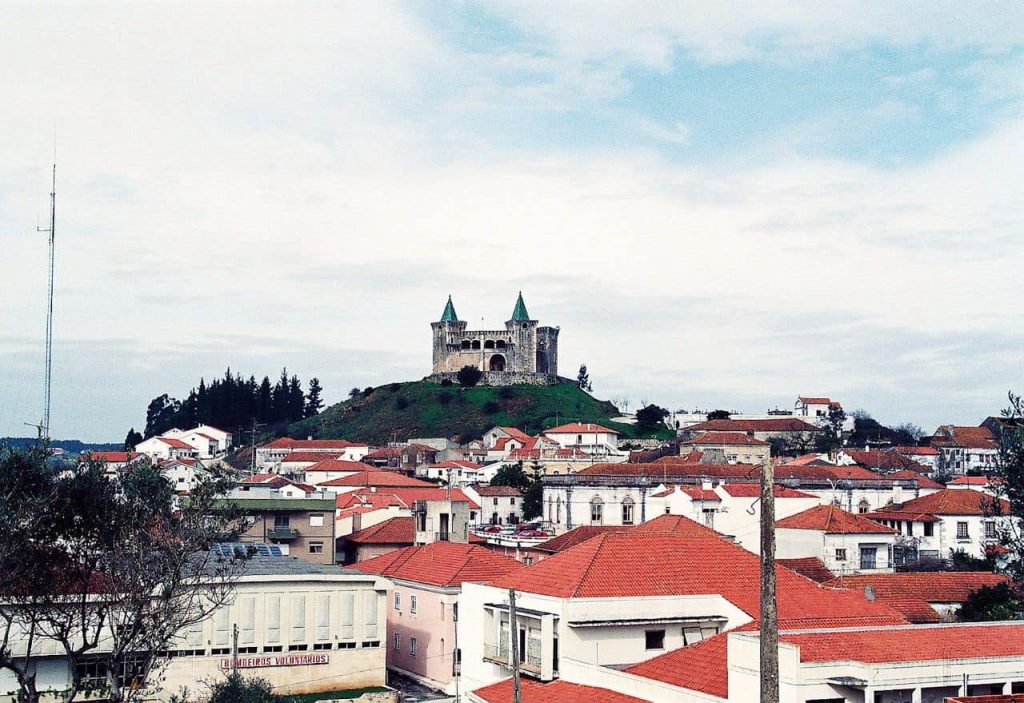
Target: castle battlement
<point>523,347</point>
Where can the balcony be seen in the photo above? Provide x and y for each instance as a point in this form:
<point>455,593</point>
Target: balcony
<point>282,533</point>
<point>530,663</point>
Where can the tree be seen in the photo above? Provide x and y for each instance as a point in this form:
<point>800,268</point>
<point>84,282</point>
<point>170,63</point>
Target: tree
<point>719,415</point>
<point>1010,469</point>
<point>469,376</point>
<point>354,393</point>
<point>160,414</point>
<point>512,475</point>
<point>830,439</point>
<point>241,689</point>
<point>988,603</point>
<point>533,496</point>
<point>650,418</point>
<point>583,379</point>
<point>313,400</point>
<point>109,569</point>
<point>132,439</point>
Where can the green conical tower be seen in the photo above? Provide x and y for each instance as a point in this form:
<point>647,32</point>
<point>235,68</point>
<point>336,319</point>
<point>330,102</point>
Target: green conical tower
<point>520,313</point>
<point>449,312</point>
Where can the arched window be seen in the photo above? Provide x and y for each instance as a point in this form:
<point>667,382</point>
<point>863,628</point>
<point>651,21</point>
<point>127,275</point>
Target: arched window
<point>489,344</point>
<point>476,343</point>
<point>596,511</point>
<point>466,344</point>
<point>497,363</point>
<point>500,344</point>
<point>863,506</point>
<point>627,511</point>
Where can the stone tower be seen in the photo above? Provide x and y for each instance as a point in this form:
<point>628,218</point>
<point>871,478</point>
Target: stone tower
<point>523,352</point>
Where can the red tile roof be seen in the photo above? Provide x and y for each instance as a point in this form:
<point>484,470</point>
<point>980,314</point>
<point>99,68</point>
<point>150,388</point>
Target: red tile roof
<point>288,443</point>
<point>931,587</point>
<point>789,424</point>
<point>753,490</point>
<point>397,530</point>
<point>382,479</point>
<point>814,401</point>
<point>339,465</point>
<point>881,461</point>
<point>112,457</point>
<point>833,520</point>
<point>966,437</point>
<point>917,451</point>
<point>558,691</point>
<point>701,494</point>
<point>922,480</point>
<point>384,453</point>
<point>811,567</point>
<point>405,497</point>
<point>993,698</point>
<point>678,468</point>
<point>312,457</point>
<point>454,464</point>
<point>677,525</point>
<point>516,433</point>
<point>727,438</point>
<point>914,610</point>
<point>951,501</point>
<point>498,491</point>
<point>700,667</point>
<point>576,536</point>
<point>176,443</point>
<point>441,564</point>
<point>580,428</point>
<point>676,564</point>
<point>910,643</point>
<point>970,481</point>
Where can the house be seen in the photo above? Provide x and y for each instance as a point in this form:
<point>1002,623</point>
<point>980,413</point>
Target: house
<point>878,664</point>
<point>283,487</point>
<point>423,612</point>
<point>274,452</point>
<point>114,462</point>
<point>943,591</point>
<point>493,435</point>
<point>303,627</point>
<point>731,447</point>
<point>621,598</point>
<point>879,461</point>
<point>296,462</point>
<point>327,470</point>
<point>374,479</point>
<point>936,525</point>
<point>593,439</point>
<point>498,504</point>
<point>206,445</point>
<point>407,457</point>
<point>845,542</point>
<point>457,472</point>
<point>183,474</point>
<point>815,408</point>
<point>965,449</point>
<point>792,431</point>
<point>382,538</point>
<point>302,527</point>
<point>927,457</point>
<point>977,483</point>
<point>166,448</point>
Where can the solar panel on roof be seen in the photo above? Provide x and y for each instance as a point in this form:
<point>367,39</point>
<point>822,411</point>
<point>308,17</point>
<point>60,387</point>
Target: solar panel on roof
<point>243,549</point>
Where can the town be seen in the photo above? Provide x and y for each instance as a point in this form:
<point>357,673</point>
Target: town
<point>575,563</point>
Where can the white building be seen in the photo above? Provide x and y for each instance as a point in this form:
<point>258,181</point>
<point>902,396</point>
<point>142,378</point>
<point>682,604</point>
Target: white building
<point>963,449</point>
<point>304,627</point>
<point>626,597</point>
<point>844,542</point>
<point>594,439</point>
<point>166,448</point>
<point>936,525</point>
<point>498,504</point>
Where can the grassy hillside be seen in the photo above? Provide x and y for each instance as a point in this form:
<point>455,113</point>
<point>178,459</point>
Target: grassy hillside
<point>422,409</point>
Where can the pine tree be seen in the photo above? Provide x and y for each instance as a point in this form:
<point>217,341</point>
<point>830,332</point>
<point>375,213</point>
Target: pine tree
<point>265,401</point>
<point>583,379</point>
<point>296,399</point>
<point>131,439</point>
<point>313,400</point>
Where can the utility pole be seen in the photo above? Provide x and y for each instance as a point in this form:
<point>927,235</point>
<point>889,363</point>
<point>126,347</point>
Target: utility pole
<point>769,612</point>
<point>513,626</point>
<point>49,305</point>
<point>234,648</point>
<point>252,459</point>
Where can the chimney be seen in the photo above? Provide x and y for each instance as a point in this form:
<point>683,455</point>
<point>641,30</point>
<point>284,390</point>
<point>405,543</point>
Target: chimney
<point>869,594</point>
<point>309,438</point>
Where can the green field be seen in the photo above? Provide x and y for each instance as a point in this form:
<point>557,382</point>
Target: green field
<point>422,409</point>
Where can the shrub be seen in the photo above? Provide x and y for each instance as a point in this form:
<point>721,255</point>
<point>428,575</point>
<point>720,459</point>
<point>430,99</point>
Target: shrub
<point>507,393</point>
<point>367,391</point>
<point>469,376</point>
<point>446,382</point>
<point>401,403</point>
<point>444,397</point>
<point>395,387</point>
<point>491,407</point>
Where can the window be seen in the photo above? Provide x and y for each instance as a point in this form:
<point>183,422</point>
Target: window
<point>273,648</point>
<point>840,555</point>
<point>295,647</point>
<point>990,530</point>
<point>398,600</point>
<point>596,511</point>
<point>321,646</point>
<point>281,520</point>
<point>961,531</point>
<point>512,501</point>
<point>316,547</point>
<point>398,642</point>
<point>929,529</point>
<point>868,557</point>
<point>627,511</point>
<point>654,639</point>
<point>527,559</point>
<point>412,604</point>
<point>316,520</point>
<point>495,501</point>
<point>863,506</point>
<point>412,646</point>
<point>371,645</point>
<point>346,645</point>
<point>910,528</point>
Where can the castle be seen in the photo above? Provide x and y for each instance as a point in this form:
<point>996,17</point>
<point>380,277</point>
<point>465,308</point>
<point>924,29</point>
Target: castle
<point>523,352</point>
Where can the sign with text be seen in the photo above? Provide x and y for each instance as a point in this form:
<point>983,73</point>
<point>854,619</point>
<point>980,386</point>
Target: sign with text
<point>275,660</point>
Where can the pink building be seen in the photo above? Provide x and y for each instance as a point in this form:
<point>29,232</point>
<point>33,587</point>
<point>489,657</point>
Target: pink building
<point>422,614</point>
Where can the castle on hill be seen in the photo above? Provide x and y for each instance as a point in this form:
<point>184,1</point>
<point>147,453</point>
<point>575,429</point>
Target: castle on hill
<point>523,352</point>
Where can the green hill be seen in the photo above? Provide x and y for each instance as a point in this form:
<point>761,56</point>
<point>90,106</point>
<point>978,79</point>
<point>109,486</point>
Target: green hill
<point>423,409</point>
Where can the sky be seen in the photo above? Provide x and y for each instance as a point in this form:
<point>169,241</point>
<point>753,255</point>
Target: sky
<point>719,204</point>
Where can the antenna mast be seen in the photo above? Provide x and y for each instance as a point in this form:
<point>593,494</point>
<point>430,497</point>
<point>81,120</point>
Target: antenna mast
<point>45,426</point>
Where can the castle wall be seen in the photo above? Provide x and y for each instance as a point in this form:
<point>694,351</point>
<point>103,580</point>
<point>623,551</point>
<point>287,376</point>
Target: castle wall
<point>506,378</point>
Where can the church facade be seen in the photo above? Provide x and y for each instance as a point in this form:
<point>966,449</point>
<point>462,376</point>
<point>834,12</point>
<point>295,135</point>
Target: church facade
<point>523,352</point>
